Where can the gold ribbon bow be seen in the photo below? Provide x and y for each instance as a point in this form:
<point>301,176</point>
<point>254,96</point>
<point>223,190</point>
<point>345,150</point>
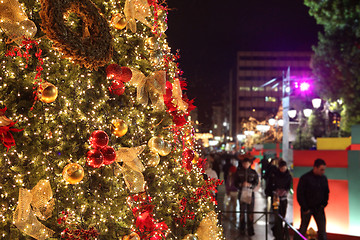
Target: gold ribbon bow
<point>177,96</point>
<point>34,204</point>
<point>151,87</point>
<point>14,21</point>
<point>137,9</point>
<point>208,228</point>
<point>132,168</point>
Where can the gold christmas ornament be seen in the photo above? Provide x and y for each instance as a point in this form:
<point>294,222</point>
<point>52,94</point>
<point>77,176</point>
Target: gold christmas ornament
<point>73,173</point>
<point>190,237</point>
<point>118,21</point>
<point>162,18</point>
<point>151,43</point>
<point>156,144</point>
<point>166,149</point>
<point>154,159</point>
<point>132,236</point>
<point>119,127</point>
<point>47,92</point>
<point>14,22</point>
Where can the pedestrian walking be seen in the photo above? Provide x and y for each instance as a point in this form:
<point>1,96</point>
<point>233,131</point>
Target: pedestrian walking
<point>231,193</point>
<point>313,195</point>
<point>282,182</point>
<point>282,185</point>
<point>226,168</point>
<point>269,179</point>
<point>246,179</point>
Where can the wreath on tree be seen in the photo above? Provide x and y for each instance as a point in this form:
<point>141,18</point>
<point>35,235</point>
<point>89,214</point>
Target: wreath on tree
<point>90,46</point>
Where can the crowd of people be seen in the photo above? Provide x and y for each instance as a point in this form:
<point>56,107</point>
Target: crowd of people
<point>273,177</point>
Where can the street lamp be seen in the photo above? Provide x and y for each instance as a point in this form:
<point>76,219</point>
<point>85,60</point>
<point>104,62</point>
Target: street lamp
<point>307,112</point>
<point>316,102</point>
<point>292,113</point>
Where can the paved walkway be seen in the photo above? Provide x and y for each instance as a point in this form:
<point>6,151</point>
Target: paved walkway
<point>231,228</point>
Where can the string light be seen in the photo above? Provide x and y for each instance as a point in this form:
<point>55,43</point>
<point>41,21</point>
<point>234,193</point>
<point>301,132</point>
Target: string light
<point>58,131</point>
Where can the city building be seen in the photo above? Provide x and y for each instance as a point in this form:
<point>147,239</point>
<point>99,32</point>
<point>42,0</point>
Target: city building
<point>255,69</point>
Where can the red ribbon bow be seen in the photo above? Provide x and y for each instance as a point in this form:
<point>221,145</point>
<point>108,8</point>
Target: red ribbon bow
<point>6,137</point>
<point>5,132</point>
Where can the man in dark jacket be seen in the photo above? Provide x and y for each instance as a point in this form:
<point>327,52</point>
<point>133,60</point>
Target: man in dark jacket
<point>313,196</point>
<point>282,184</point>
<point>246,178</point>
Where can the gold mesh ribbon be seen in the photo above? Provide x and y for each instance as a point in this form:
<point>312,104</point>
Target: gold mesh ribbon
<point>14,21</point>
<point>134,180</point>
<point>137,9</point>
<point>132,168</point>
<point>208,229</point>
<point>34,204</point>
<point>151,87</point>
<point>4,121</point>
<point>177,96</point>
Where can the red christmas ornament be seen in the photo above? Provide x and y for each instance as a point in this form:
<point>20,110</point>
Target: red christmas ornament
<point>113,71</point>
<point>95,158</point>
<point>188,155</point>
<point>109,155</point>
<point>99,139</point>
<point>126,74</point>
<point>117,88</point>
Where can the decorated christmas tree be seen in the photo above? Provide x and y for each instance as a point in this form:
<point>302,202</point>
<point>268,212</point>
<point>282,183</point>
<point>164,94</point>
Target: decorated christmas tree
<point>96,140</point>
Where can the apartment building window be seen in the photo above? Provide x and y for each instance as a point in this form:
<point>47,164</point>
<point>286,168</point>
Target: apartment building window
<point>257,89</point>
<point>270,99</point>
<point>244,89</point>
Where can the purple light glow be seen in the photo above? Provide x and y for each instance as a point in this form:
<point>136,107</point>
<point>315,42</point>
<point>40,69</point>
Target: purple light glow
<point>304,86</point>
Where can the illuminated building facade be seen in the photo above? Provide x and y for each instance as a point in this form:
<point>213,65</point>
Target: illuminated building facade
<point>256,68</point>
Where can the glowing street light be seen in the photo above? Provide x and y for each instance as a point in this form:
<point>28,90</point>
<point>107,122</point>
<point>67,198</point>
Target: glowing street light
<point>316,102</point>
<point>307,112</point>
<point>292,113</point>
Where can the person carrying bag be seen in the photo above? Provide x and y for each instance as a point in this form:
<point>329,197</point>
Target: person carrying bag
<point>247,179</point>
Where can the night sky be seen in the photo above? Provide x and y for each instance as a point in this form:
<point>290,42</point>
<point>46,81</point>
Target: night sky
<point>210,32</point>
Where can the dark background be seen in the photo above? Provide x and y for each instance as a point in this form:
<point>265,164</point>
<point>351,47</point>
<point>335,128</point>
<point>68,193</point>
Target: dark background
<point>210,32</point>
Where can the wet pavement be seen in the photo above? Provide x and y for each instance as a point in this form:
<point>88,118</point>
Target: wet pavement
<point>261,229</point>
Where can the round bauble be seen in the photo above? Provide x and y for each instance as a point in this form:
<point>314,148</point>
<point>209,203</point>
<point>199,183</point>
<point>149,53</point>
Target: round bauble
<point>99,139</point>
<point>132,236</point>
<point>151,43</point>
<point>47,92</point>
<point>126,74</point>
<point>95,158</point>
<point>166,149</point>
<point>118,21</point>
<point>188,154</point>
<point>190,237</point>
<point>73,173</point>
<point>109,154</point>
<point>119,127</point>
<point>117,88</point>
<point>113,71</point>
<point>154,159</point>
<point>156,144</point>
<point>28,28</point>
